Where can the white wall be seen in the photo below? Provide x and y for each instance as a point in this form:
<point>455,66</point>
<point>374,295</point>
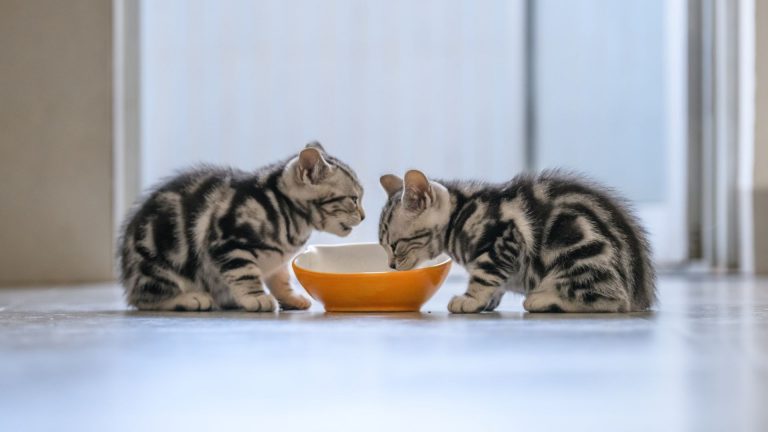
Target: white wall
<point>610,102</point>
<point>601,92</point>
<point>385,85</point>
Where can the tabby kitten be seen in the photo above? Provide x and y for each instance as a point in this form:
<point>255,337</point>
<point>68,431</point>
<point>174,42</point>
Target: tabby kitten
<point>211,237</point>
<point>567,244</point>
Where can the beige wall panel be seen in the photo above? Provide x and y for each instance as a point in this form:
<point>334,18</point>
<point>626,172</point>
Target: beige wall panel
<point>55,141</point>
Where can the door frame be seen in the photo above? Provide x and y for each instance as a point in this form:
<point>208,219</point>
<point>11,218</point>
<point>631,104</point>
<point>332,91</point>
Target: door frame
<point>126,115</point>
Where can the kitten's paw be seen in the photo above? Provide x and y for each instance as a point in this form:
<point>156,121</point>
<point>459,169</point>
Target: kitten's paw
<point>543,302</point>
<point>464,304</point>
<point>495,300</point>
<point>189,302</point>
<point>258,303</point>
<point>294,301</point>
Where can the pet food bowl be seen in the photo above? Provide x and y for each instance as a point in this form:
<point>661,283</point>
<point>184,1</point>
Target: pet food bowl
<point>356,278</point>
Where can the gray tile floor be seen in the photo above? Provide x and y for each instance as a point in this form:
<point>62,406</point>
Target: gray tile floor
<point>76,359</point>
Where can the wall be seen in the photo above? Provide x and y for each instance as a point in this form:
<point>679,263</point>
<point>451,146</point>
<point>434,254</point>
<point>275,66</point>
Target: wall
<point>384,85</point>
<point>609,102</point>
<point>760,198</point>
<point>55,141</point>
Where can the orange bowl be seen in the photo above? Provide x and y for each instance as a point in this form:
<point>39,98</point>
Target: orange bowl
<point>356,278</point>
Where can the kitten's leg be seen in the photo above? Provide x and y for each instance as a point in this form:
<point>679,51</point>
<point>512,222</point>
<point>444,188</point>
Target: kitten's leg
<point>159,288</point>
<point>576,296</point>
<point>489,274</point>
<point>543,300</point>
<point>243,278</point>
<point>495,300</point>
<point>280,286</point>
<point>482,295</point>
<point>550,302</point>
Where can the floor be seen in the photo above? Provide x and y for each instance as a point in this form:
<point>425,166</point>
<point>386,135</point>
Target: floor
<point>75,358</point>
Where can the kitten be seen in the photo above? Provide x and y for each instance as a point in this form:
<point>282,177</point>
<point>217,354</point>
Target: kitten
<point>211,237</point>
<point>567,244</point>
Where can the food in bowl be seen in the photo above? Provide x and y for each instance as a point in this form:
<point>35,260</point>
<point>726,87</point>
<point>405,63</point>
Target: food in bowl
<point>357,278</point>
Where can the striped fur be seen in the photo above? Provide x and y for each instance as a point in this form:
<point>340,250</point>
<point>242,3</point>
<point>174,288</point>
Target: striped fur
<point>567,244</point>
<point>214,237</point>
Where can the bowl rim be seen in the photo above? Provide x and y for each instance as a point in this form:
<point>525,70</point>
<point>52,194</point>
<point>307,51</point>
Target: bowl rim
<point>447,261</point>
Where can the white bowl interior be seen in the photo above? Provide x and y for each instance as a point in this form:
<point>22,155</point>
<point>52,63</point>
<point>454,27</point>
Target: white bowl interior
<point>351,258</point>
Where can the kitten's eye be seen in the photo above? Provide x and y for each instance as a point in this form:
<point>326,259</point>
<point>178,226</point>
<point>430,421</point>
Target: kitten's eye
<point>355,199</point>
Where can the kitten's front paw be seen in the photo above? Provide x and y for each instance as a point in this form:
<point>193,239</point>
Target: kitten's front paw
<point>258,303</point>
<point>294,302</point>
<point>464,304</point>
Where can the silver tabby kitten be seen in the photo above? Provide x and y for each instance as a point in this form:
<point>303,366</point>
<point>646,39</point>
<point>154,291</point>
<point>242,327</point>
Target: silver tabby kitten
<point>566,244</point>
<point>212,237</point>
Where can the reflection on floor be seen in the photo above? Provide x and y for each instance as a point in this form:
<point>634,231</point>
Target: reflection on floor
<point>76,359</point>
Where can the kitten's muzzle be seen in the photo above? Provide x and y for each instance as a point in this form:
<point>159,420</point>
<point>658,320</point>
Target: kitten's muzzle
<point>402,264</point>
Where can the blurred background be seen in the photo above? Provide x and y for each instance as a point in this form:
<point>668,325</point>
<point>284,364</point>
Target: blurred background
<point>456,89</point>
<point>658,99</point>
<point>664,100</point>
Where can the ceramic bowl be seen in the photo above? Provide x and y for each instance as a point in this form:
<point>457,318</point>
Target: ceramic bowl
<point>356,278</point>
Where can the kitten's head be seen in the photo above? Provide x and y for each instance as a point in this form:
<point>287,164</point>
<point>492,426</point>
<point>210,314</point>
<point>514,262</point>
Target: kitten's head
<point>331,187</point>
<point>413,219</point>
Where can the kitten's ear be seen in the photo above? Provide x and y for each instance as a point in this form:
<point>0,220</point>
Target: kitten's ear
<point>316,145</point>
<point>417,193</point>
<point>312,167</point>
<point>391,183</point>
